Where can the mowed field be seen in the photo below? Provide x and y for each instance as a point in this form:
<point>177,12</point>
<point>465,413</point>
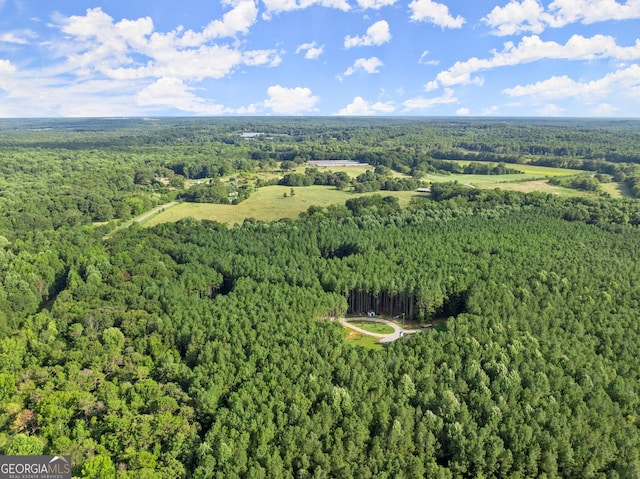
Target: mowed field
<point>269,203</point>
<point>529,173</point>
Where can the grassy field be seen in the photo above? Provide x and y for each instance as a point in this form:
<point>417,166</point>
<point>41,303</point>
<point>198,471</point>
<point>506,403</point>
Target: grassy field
<point>616,190</point>
<point>527,170</point>
<point>535,185</point>
<point>268,204</point>
<point>373,327</point>
<point>530,173</point>
<point>357,339</point>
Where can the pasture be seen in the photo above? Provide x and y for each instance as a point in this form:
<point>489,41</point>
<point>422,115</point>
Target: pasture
<point>269,204</point>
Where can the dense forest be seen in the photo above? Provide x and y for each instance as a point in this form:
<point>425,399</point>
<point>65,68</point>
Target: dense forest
<point>197,349</point>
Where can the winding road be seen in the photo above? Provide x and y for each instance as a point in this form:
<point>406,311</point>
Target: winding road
<point>398,332</point>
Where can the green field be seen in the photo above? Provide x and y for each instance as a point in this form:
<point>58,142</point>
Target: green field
<point>358,339</point>
<point>530,173</point>
<point>269,204</point>
<point>373,327</point>
<point>527,170</point>
<point>616,190</point>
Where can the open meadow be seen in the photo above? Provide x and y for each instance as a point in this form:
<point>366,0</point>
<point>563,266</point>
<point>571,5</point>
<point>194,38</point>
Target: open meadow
<point>269,203</point>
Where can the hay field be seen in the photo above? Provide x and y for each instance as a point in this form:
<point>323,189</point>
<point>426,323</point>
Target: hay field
<point>269,204</point>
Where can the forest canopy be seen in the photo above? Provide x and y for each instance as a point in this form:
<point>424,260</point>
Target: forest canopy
<point>196,349</point>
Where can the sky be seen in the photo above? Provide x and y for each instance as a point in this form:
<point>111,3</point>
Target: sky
<point>518,58</point>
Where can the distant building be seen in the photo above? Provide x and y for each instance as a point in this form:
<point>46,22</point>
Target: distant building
<point>424,190</point>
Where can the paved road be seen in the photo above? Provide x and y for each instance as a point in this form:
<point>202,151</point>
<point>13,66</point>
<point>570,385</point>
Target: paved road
<point>398,332</point>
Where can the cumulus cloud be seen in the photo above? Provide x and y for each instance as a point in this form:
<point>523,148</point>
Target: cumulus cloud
<point>592,11</point>
<point>311,50</point>
<point>6,67</point>
<point>532,49</point>
<point>279,6</point>
<point>369,65</point>
<point>290,101</point>
<point>174,93</point>
<point>421,103</point>
<point>375,4</point>
<point>434,12</point>
<point>516,17</point>
<point>377,34</point>
<point>120,66</point>
<point>463,112</point>
<point>361,107</point>
<point>430,86</point>
<point>238,20</point>
<point>103,46</point>
<point>558,87</point>
<point>530,16</point>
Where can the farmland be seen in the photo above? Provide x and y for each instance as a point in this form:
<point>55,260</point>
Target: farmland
<point>191,348</point>
<point>271,203</point>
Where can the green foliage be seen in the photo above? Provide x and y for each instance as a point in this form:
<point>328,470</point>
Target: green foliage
<point>196,350</point>
<point>581,182</point>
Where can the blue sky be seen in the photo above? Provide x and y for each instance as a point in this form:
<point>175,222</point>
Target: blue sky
<point>87,58</point>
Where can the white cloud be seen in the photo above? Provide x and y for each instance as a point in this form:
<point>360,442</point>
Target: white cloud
<point>278,6</point>
<point>532,49</point>
<point>290,101</point>
<point>516,17</point>
<point>131,48</point>
<point>269,58</point>
<point>490,110</point>
<point>559,87</point>
<point>21,37</point>
<point>422,60</point>
<point>530,16</point>
<point>430,86</point>
<point>603,109</point>
<point>463,112</point>
<point>550,109</point>
<point>6,67</point>
<point>421,103</point>
<point>375,4</point>
<point>312,51</point>
<point>434,12</point>
<point>377,34</point>
<point>592,11</point>
<point>369,65</point>
<point>238,20</point>
<point>174,93</point>
<point>112,67</point>
<point>361,107</point>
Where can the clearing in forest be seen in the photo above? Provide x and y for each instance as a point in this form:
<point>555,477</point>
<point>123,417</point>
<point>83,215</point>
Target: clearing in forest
<point>269,204</point>
<point>373,327</point>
